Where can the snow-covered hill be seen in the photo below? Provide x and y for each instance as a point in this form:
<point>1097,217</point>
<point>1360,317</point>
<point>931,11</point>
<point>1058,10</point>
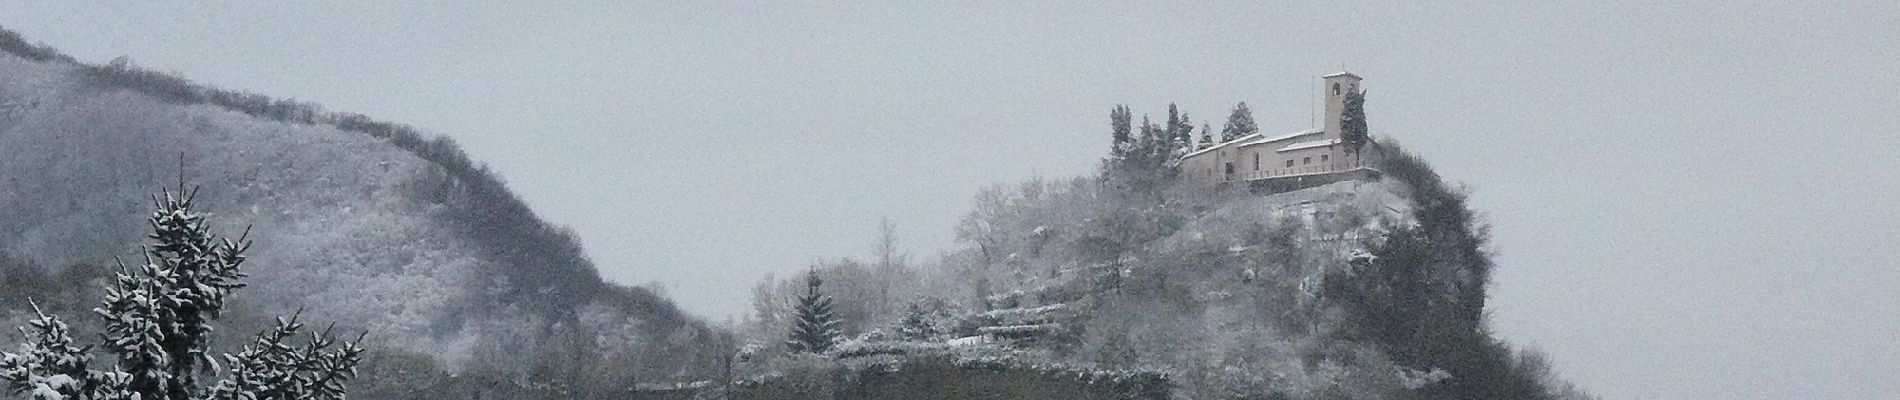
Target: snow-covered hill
<point>366,223</point>
<point>1359,289</point>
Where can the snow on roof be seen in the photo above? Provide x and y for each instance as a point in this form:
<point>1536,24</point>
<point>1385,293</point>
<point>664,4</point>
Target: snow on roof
<point>1310,144</point>
<point>1253,139</point>
<point>1286,136</point>
<point>1198,152</point>
<point>1219,145</point>
<point>1340,73</point>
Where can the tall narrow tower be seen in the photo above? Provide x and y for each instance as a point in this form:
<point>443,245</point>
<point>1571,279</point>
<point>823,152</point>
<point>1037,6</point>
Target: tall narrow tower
<point>1336,86</point>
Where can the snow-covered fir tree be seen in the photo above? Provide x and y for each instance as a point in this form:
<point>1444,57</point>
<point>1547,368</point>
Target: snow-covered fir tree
<point>271,367</point>
<point>1240,123</point>
<point>815,329</point>
<point>157,319</point>
<point>164,310</point>
<point>51,367</point>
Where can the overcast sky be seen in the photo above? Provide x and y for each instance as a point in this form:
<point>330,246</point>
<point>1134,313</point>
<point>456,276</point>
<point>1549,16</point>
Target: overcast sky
<point>1689,201</point>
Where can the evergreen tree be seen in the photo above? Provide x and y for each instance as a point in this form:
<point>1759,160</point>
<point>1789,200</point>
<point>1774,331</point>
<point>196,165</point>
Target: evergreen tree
<point>1118,121</point>
<point>1154,144</point>
<point>1207,137</point>
<point>1173,129</point>
<point>1240,123</point>
<point>156,323</point>
<point>53,368</point>
<point>815,329</point>
<point>1352,121</point>
<point>1144,164</point>
<point>1183,135</point>
<point>1174,119</point>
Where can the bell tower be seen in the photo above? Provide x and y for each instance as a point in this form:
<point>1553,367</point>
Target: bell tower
<point>1337,85</point>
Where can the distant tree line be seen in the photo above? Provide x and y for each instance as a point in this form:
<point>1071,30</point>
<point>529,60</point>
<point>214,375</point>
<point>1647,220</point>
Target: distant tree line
<point>11,42</point>
<point>1143,158</point>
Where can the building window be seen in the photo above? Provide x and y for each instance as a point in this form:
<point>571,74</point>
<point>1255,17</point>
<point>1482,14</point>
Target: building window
<point>1308,160</point>
<point>1335,89</point>
<point>1323,157</point>
<point>1289,163</point>
<point>1256,161</point>
<point>1230,168</point>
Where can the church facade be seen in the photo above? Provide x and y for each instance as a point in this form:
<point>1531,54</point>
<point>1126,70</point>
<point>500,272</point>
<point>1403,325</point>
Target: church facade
<point>1312,154</point>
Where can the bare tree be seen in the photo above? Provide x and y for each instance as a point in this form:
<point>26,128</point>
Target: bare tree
<point>889,256</point>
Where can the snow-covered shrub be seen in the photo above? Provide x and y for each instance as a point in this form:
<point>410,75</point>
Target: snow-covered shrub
<point>925,319</point>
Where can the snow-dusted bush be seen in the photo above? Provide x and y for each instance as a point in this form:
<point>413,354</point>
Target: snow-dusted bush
<point>925,319</point>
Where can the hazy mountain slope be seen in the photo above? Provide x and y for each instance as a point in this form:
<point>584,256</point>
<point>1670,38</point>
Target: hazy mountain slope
<point>358,221</point>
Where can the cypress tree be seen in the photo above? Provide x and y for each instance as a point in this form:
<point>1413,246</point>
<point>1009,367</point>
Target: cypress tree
<point>1184,135</point>
<point>1352,121</point>
<point>1121,132</point>
<point>815,329</point>
<point>1173,129</point>
<point>1148,139</point>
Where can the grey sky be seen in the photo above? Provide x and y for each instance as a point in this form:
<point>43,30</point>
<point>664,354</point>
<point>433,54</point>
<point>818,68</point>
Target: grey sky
<point>1690,200</point>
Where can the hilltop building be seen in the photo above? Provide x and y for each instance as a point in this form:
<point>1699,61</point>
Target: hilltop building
<point>1299,158</point>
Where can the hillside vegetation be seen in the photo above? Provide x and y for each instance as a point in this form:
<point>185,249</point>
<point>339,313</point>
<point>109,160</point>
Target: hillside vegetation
<point>1364,289</point>
<point>371,224</point>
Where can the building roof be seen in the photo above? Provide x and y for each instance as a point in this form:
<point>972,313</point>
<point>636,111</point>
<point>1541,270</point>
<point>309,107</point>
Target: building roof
<point>1286,137</point>
<point>1220,145</point>
<point>1253,139</point>
<point>1341,73</point>
<point>1310,144</point>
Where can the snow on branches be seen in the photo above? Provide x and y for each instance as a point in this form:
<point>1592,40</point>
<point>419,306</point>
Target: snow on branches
<point>270,367</point>
<point>157,320</point>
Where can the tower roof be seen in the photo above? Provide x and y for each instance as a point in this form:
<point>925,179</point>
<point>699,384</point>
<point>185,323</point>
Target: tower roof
<point>1340,74</point>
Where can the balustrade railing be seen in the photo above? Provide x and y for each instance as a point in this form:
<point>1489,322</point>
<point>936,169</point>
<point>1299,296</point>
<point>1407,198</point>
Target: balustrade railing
<point>1327,168</point>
